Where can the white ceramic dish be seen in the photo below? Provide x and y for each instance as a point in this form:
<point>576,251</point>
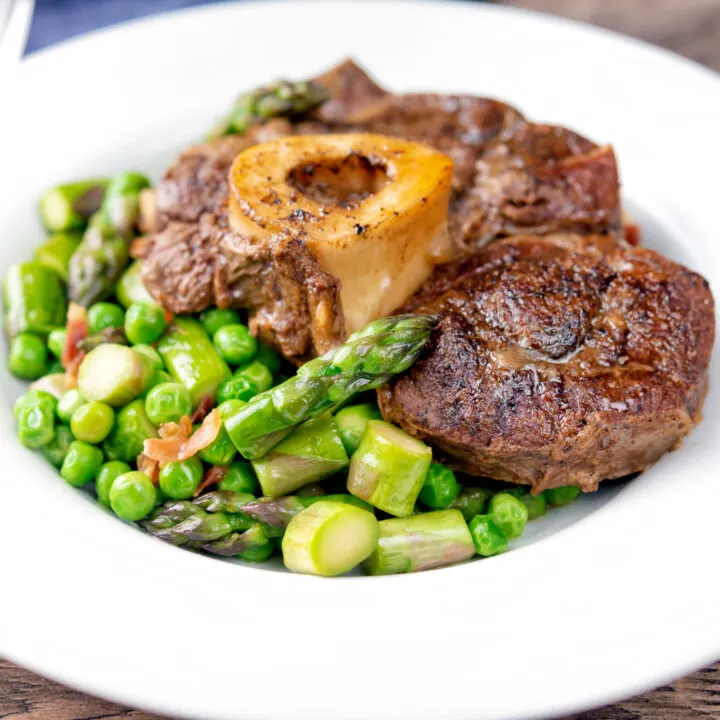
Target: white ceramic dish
<point>615,604</point>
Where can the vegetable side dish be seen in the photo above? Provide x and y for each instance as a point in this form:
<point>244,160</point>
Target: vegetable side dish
<point>205,354</point>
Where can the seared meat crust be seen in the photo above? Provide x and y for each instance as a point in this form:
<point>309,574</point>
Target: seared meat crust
<point>558,360</point>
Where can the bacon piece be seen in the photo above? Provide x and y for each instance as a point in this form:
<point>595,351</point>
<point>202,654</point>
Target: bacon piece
<point>149,466</point>
<point>203,408</point>
<point>632,234</point>
<point>176,444</point>
<point>76,331</point>
<point>212,477</point>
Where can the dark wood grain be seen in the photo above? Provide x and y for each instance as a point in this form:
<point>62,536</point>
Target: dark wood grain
<point>690,27</point>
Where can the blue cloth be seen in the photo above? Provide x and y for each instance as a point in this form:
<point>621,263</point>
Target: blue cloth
<point>57,20</point>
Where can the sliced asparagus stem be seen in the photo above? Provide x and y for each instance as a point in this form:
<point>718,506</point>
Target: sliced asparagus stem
<point>421,542</point>
<point>68,207</point>
<point>329,539</point>
<point>55,253</point>
<point>351,422</point>
<point>114,374</point>
<point>366,361</point>
<point>34,299</point>
<point>310,453</point>
<point>130,288</point>
<point>191,358</point>
<point>388,468</point>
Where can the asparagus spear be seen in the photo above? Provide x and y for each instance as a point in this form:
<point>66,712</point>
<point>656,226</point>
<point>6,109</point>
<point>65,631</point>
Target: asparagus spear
<point>278,512</point>
<point>329,539</point>
<point>68,207</point>
<point>367,360</point>
<point>114,374</point>
<point>310,453</point>
<point>281,99</point>
<point>34,299</point>
<point>191,358</point>
<point>57,250</point>
<point>98,262</point>
<point>388,468</point>
<point>421,542</point>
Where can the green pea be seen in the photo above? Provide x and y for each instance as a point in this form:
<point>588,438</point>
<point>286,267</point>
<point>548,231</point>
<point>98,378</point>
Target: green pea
<point>28,357</point>
<point>92,422</point>
<point>509,514</point>
<point>151,354</point>
<point>104,315</point>
<point>258,374</point>
<point>168,403</point>
<point>562,495</point>
<point>132,427</point>
<point>132,496</point>
<point>268,357</point>
<point>35,419</point>
<point>56,450</point>
<point>471,502</point>
<point>240,478</point>
<point>236,388</point>
<point>144,323</point>
<point>440,487</point>
<point>230,407</point>
<point>68,404</point>
<point>535,504</point>
<point>220,451</point>
<point>106,476</point>
<point>56,341</point>
<point>487,536</point>
<point>261,553</point>
<point>33,398</point>
<point>179,480</point>
<point>81,463</point>
<point>159,377</point>
<point>215,318</point>
<point>235,344</point>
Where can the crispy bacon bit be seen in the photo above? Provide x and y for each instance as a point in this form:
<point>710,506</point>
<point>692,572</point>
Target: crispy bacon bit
<point>212,477</point>
<point>149,466</point>
<point>203,408</point>
<point>71,371</point>
<point>140,247</point>
<point>632,234</point>
<point>169,317</point>
<point>77,330</point>
<point>176,443</point>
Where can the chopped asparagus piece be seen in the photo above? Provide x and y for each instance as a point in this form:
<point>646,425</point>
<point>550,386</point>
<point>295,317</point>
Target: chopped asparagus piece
<point>114,374</point>
<point>388,468</point>
<point>421,542</point>
<point>329,539</point>
<point>55,253</point>
<point>130,289</point>
<point>191,358</point>
<point>309,453</point>
<point>68,207</point>
<point>34,299</point>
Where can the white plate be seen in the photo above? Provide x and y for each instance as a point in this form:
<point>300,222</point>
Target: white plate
<point>613,605</point>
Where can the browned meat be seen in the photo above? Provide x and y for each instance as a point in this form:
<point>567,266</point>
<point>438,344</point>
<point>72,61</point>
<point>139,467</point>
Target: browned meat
<point>509,175</point>
<point>558,360</point>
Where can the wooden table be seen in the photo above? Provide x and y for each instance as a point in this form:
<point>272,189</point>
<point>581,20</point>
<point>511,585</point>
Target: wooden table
<point>690,27</point>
